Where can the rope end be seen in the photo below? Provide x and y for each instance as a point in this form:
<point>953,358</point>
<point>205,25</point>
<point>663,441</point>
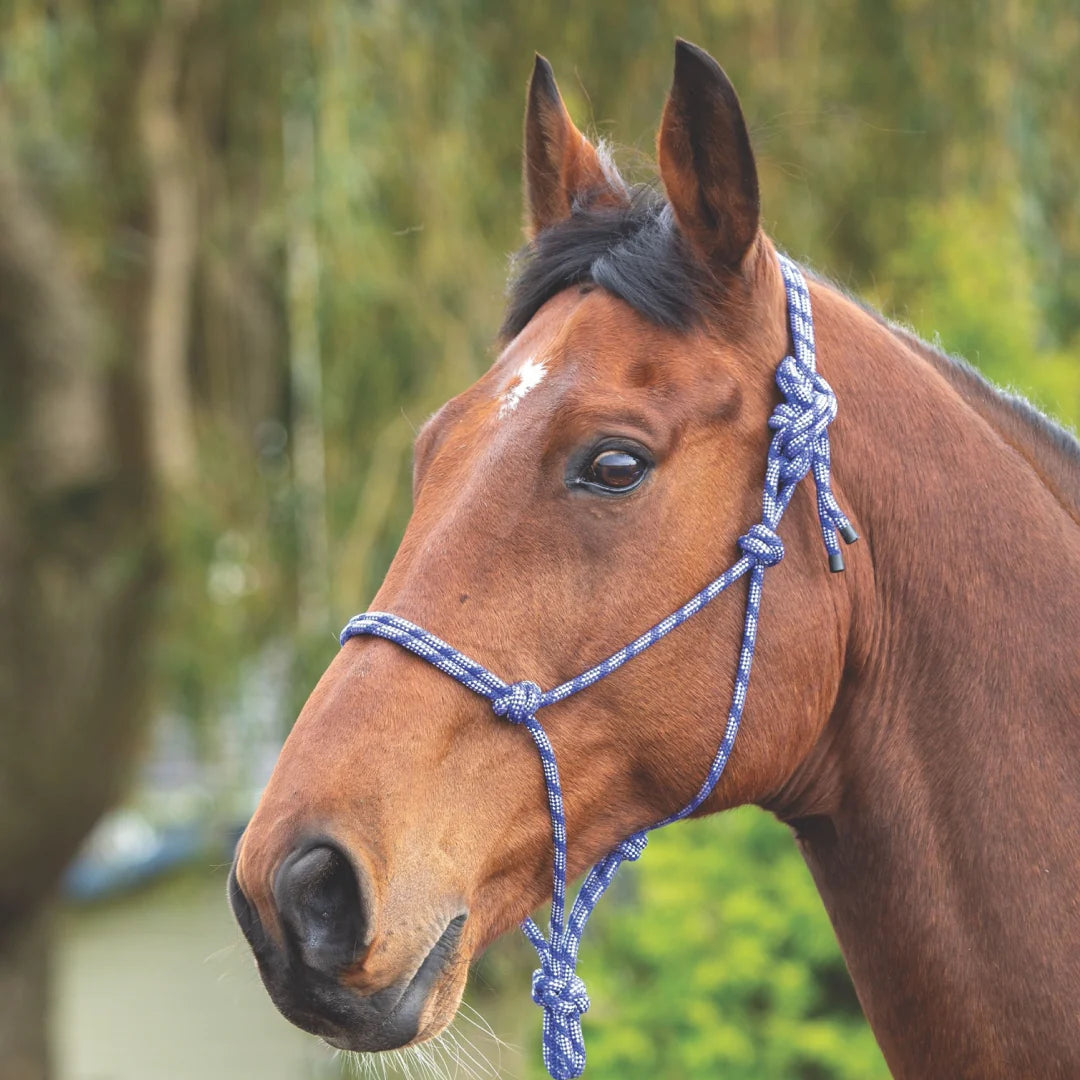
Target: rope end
<point>836,562</point>
<point>849,535</point>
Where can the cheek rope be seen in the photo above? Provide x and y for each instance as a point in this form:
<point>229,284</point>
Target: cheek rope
<point>799,445</point>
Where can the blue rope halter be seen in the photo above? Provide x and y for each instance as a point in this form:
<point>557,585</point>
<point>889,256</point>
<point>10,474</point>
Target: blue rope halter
<point>800,444</point>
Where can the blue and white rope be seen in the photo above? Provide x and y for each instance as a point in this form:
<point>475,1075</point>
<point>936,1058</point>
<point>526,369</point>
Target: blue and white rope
<point>799,445</point>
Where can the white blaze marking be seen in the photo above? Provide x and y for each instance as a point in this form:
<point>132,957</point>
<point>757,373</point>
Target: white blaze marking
<point>529,376</point>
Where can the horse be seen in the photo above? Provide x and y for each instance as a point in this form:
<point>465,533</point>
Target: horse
<point>913,720</point>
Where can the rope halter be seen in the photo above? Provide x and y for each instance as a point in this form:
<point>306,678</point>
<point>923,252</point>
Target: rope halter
<point>799,445</point>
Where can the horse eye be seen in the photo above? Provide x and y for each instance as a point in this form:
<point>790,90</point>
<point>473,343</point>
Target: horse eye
<point>615,471</point>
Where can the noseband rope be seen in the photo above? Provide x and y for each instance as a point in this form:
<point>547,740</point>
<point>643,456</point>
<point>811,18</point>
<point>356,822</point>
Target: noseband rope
<point>799,444</point>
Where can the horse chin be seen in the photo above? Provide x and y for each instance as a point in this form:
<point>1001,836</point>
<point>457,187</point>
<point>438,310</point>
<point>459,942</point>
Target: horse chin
<point>435,1017</point>
<point>443,1003</point>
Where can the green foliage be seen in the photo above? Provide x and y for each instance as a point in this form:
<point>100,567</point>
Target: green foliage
<point>717,959</point>
<point>991,317</point>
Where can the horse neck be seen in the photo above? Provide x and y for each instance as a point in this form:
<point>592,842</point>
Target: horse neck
<point>938,813</point>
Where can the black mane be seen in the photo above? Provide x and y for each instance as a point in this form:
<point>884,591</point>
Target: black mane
<point>635,252</point>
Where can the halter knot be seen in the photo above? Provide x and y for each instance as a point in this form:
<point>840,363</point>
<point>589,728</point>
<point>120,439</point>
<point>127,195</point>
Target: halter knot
<point>518,702</point>
<point>630,850</point>
<point>762,545</point>
<point>564,996</point>
<point>801,421</point>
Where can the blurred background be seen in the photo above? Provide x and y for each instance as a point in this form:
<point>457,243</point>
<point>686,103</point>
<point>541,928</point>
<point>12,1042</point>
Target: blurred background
<point>245,248</point>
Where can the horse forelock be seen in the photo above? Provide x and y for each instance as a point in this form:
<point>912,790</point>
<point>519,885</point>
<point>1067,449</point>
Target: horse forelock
<point>633,251</point>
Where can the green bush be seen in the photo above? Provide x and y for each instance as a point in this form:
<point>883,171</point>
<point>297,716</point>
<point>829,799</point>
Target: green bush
<point>716,958</point>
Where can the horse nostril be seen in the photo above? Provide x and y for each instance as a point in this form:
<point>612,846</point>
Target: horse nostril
<point>321,907</point>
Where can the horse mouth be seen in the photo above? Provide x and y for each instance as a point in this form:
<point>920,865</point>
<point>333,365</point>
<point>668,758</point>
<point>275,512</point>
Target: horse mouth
<point>322,1003</point>
<point>404,1015</point>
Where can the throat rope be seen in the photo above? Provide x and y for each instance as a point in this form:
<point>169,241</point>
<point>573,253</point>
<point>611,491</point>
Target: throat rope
<point>799,445</point>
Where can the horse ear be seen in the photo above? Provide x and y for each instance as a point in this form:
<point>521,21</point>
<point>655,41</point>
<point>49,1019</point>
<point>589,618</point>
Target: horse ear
<point>562,168</point>
<point>706,163</point>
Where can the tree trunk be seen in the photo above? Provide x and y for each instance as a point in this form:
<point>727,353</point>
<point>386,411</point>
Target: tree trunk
<point>24,1004</point>
<point>78,561</point>
<point>305,355</point>
<point>172,249</point>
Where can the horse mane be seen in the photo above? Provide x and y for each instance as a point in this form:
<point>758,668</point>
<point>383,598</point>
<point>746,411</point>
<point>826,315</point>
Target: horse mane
<point>636,252</point>
<point>1049,447</point>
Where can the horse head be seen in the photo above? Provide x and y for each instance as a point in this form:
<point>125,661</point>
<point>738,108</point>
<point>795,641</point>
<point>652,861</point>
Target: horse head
<point>595,477</point>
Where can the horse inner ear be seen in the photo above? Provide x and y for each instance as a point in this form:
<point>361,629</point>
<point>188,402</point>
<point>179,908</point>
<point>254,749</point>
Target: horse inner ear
<point>706,163</point>
<point>562,169</point>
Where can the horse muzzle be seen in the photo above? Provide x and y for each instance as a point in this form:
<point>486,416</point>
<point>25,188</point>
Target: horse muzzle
<point>312,967</point>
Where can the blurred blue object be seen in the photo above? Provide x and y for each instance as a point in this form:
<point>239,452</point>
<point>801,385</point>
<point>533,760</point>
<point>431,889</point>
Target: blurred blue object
<point>125,851</point>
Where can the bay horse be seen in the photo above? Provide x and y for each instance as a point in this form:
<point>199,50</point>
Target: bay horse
<point>914,720</point>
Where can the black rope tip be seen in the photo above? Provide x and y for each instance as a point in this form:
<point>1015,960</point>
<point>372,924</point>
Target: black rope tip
<point>836,563</point>
<point>849,535</point>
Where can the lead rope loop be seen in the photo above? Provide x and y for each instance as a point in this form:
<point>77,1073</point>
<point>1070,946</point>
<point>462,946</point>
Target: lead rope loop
<point>799,445</point>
